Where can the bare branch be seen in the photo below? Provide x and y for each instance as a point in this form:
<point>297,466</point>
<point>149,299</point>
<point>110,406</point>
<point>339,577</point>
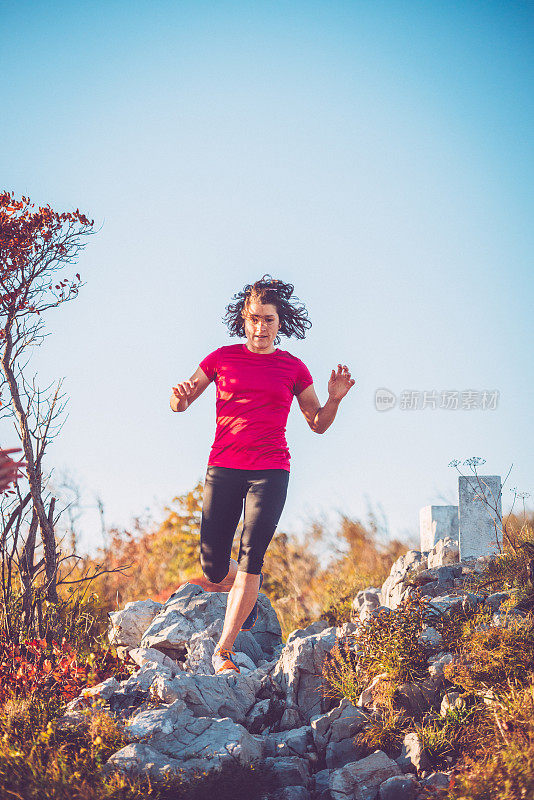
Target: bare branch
<point>35,245</point>
<point>97,574</point>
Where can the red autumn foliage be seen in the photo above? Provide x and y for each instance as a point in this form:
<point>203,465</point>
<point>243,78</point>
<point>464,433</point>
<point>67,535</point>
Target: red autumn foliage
<point>36,245</point>
<point>30,242</point>
<point>53,669</point>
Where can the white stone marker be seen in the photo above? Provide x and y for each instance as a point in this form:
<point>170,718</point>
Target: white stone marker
<point>437,522</point>
<point>480,511</point>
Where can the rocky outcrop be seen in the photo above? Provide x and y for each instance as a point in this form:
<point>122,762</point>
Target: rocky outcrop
<point>298,676</point>
<point>128,625</point>
<point>170,739</point>
<point>361,780</point>
<point>365,602</point>
<point>412,757</point>
<point>192,618</point>
<point>424,569</point>
<point>178,717</point>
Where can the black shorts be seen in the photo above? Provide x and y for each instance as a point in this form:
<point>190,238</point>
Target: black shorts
<point>263,493</point>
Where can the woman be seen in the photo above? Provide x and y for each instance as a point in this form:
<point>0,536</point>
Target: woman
<point>249,459</point>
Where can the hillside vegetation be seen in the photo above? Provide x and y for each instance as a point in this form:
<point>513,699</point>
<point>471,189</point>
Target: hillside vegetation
<point>488,736</point>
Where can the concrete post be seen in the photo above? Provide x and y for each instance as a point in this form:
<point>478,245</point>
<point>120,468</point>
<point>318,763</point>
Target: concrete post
<point>436,522</point>
<point>480,511</point>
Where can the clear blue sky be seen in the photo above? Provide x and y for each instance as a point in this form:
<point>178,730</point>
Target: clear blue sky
<point>379,156</point>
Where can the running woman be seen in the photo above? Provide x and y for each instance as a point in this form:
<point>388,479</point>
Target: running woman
<point>249,460</point>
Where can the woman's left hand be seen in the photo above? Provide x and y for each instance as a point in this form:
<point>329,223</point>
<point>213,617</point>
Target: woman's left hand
<point>340,382</point>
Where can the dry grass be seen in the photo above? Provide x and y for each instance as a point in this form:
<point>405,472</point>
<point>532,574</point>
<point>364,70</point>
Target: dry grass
<point>502,768</point>
<point>38,762</point>
<point>509,570</point>
<point>489,658</point>
<point>460,730</point>
<point>341,674</point>
<point>491,743</point>
<point>385,732</point>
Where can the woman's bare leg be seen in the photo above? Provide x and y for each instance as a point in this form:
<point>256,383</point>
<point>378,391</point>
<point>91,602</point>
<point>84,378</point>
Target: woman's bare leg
<point>241,599</point>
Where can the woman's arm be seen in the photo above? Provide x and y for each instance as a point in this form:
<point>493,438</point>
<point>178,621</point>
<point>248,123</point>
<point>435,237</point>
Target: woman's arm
<point>318,417</point>
<point>183,394</point>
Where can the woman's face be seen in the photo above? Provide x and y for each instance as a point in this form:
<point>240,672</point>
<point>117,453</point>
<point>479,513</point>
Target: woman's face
<point>261,326</point>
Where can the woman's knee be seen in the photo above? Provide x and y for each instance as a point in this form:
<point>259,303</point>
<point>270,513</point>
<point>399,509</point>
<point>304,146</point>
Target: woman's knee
<point>215,573</point>
<point>250,560</point>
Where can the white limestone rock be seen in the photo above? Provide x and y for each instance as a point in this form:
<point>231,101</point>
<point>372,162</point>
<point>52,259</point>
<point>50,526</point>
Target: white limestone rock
<point>393,589</point>
<point>138,758</point>
<point>348,723</point>
<point>291,718</point>
<point>343,752</point>
<point>245,664</point>
<point>201,647</point>
<point>366,699</point>
<point>288,743</point>
<point>400,787</point>
<point>360,780</point>
<point>301,633</point>
<point>298,672</point>
<point>256,719</point>
<point>289,771</point>
<point>418,697</point>
<point>77,719</point>
<point>430,636</point>
<point>445,602</point>
<point>142,680</point>
<point>173,734</point>
<point>436,666</point>
<point>412,566</point>
<point>437,780</point>
<point>293,793</point>
<point>161,720</point>
<point>365,602</point>
<point>497,599</point>
<point>451,700</point>
<point>445,552</point>
<point>148,655</point>
<point>412,757</point>
<point>339,723</point>
<point>128,625</point>
<point>103,690</point>
<point>348,629</point>
<point>191,611</point>
<point>321,785</point>
<point>509,620</point>
<point>208,695</point>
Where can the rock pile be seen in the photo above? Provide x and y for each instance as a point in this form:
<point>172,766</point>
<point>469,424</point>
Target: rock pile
<point>179,717</point>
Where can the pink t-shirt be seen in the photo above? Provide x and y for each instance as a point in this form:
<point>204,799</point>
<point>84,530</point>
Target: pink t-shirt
<point>254,395</point>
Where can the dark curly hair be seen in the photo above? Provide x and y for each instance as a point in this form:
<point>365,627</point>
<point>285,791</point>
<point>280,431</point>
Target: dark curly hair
<point>293,314</point>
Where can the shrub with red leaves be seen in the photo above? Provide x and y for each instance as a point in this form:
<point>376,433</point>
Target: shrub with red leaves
<point>53,669</point>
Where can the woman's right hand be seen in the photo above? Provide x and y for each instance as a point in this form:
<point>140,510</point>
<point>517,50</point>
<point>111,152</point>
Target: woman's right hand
<point>9,469</point>
<point>182,391</point>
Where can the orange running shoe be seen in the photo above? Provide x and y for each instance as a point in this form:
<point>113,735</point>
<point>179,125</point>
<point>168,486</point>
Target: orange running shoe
<point>222,660</point>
